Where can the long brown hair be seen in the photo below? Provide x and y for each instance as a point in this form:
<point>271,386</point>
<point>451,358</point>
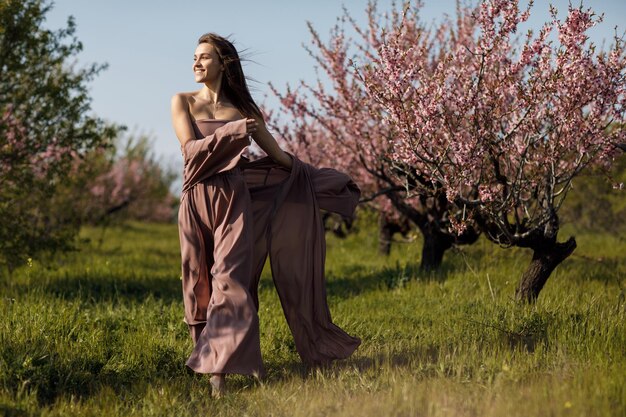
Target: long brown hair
<point>234,84</point>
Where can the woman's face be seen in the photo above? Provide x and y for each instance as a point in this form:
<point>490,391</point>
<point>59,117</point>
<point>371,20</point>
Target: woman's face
<point>206,63</point>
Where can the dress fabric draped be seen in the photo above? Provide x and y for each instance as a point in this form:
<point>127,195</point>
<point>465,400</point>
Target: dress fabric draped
<point>233,215</point>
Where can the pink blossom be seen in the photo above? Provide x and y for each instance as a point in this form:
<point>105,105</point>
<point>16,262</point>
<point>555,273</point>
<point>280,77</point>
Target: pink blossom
<point>504,131</point>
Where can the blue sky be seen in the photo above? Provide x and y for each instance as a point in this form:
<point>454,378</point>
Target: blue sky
<point>149,47</point>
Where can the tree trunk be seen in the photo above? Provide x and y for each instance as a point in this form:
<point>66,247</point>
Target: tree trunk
<point>545,259</point>
<point>386,229</point>
<point>385,233</point>
<point>435,245</point>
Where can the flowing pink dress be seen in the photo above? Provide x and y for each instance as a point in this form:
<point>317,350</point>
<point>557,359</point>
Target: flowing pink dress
<point>233,215</point>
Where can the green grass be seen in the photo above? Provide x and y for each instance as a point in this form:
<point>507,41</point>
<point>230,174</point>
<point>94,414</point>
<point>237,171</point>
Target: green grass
<point>100,333</point>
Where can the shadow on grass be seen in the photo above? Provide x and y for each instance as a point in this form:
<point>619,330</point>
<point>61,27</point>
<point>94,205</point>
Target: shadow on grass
<point>96,288</point>
<point>52,378</point>
<point>33,368</point>
<point>354,280</point>
<point>286,370</point>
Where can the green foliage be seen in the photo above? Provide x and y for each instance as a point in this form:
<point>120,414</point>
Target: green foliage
<point>100,332</point>
<point>44,126</point>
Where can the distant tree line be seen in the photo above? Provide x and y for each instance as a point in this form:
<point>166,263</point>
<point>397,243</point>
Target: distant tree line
<point>61,166</point>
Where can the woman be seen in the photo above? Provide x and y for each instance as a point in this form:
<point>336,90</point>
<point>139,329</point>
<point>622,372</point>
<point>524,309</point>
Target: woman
<point>233,214</point>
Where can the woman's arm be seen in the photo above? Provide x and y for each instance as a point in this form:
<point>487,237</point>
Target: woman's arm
<point>267,142</point>
<point>181,120</point>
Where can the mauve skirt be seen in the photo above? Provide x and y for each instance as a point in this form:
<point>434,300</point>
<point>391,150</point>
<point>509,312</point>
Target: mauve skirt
<point>214,222</point>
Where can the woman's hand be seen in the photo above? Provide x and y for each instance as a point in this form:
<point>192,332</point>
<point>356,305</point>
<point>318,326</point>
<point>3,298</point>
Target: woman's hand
<point>266,141</point>
<point>251,126</point>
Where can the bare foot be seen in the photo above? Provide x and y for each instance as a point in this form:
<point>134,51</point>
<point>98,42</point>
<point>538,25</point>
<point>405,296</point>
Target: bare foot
<point>218,385</point>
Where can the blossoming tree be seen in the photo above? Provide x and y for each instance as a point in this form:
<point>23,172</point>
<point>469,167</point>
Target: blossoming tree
<point>131,184</point>
<point>503,124</point>
<point>340,126</point>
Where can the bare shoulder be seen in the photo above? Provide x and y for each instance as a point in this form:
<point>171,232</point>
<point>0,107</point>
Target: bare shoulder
<point>181,102</point>
<point>182,98</point>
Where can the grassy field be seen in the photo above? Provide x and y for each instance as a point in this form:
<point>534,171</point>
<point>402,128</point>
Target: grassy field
<point>100,333</point>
